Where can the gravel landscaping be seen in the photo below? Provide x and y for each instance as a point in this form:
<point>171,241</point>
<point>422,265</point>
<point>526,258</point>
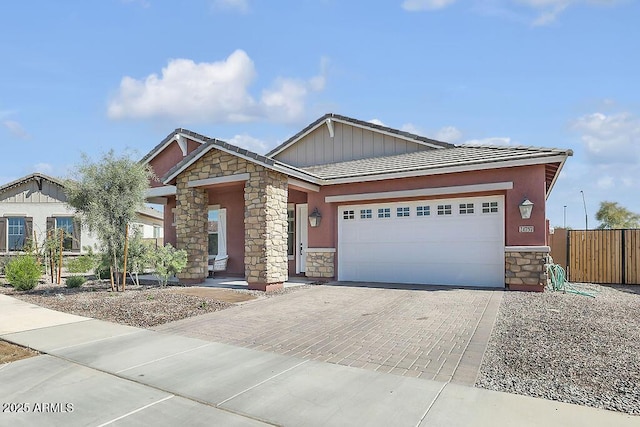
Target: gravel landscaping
<point>568,347</point>
<point>142,306</point>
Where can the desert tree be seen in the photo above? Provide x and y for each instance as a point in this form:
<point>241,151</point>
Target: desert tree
<point>612,215</point>
<point>107,194</point>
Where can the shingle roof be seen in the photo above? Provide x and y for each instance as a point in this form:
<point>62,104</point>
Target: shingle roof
<point>373,126</point>
<point>431,159</point>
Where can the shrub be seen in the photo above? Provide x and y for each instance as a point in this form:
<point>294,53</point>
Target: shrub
<point>167,261</point>
<point>81,264</point>
<point>23,272</point>
<point>75,281</point>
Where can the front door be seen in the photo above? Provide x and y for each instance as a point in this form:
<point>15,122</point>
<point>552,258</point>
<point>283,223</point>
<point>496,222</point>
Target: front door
<point>302,235</point>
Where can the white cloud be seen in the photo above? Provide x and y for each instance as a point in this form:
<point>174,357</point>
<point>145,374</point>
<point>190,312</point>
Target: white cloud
<point>449,134</point>
<point>377,122</point>
<point>495,140</point>
<point>16,129</point>
<point>613,138</point>
<point>237,5</point>
<point>411,128</point>
<point>212,92</point>
<point>250,143</point>
<point>419,5</point>
<point>549,10</point>
<point>605,182</point>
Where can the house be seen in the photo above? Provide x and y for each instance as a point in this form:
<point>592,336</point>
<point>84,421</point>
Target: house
<point>35,205</point>
<point>350,200</point>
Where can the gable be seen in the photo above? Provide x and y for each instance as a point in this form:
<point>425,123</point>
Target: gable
<point>170,156</point>
<point>29,192</point>
<point>349,142</point>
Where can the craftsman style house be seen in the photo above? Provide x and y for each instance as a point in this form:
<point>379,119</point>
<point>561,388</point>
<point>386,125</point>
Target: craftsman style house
<point>349,200</point>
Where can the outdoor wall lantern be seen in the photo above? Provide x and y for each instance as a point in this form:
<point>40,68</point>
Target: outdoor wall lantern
<point>525,208</point>
<point>315,218</point>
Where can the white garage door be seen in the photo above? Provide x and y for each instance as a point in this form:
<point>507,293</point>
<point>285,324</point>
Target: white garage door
<point>438,242</point>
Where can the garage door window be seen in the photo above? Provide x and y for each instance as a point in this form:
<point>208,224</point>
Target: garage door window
<point>423,211</point>
<point>365,214</point>
<point>466,208</point>
<point>444,209</point>
<point>489,207</point>
<point>348,215</point>
<point>402,211</point>
<point>384,213</point>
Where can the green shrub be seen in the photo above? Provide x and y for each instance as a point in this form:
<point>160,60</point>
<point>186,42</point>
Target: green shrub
<point>23,272</point>
<point>75,281</point>
<point>82,264</point>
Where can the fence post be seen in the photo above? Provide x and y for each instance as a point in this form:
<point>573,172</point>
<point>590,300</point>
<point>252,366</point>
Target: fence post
<point>624,255</point>
<point>568,254</point>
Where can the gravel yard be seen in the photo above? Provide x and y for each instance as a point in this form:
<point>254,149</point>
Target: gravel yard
<point>141,306</point>
<point>568,347</point>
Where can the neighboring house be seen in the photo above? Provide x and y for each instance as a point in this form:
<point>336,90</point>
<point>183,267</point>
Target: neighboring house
<point>35,205</point>
<point>354,201</point>
<point>151,225</point>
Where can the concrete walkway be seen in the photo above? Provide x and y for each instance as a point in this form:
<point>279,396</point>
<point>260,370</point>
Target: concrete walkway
<point>96,373</point>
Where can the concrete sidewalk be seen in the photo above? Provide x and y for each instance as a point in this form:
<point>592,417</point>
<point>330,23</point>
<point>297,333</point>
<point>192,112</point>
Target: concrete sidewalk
<point>99,373</point>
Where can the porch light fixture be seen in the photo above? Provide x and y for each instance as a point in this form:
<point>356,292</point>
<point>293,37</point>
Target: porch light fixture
<point>525,208</point>
<point>315,218</point>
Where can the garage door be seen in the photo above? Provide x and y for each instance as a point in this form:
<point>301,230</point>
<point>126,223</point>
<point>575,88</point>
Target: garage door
<point>438,242</point>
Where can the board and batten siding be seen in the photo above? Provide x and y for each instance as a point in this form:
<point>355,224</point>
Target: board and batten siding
<point>349,143</point>
<point>28,192</point>
<point>26,200</point>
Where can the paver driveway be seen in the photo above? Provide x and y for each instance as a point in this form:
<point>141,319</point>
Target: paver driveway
<point>432,332</point>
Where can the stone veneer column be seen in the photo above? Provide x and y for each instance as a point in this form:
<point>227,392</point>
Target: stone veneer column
<point>265,229</point>
<point>320,262</point>
<point>191,230</point>
<point>525,267</point>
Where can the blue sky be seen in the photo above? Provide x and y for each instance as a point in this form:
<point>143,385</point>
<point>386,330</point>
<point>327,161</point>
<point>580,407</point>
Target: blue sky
<point>83,76</point>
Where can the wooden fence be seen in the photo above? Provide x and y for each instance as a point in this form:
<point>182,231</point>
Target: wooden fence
<point>599,256</point>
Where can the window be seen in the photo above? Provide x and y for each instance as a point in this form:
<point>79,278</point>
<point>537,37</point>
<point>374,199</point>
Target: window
<point>444,209</point>
<point>489,207</point>
<point>212,229</point>
<point>423,211</point>
<point>384,213</point>
<point>291,226</point>
<point>402,211</point>
<point>15,234</point>
<point>66,224</point>
<point>348,215</point>
<point>466,208</point>
<point>157,232</point>
<point>365,214</point>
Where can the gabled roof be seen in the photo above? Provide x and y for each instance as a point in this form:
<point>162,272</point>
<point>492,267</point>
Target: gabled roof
<point>450,160</point>
<point>210,143</point>
<point>359,123</point>
<point>38,177</point>
<point>165,142</point>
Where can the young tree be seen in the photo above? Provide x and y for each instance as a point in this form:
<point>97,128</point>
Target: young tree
<point>612,215</point>
<point>107,194</point>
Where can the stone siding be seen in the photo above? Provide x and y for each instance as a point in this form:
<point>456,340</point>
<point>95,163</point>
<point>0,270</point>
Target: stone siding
<point>265,219</point>
<point>191,229</point>
<point>265,222</point>
<point>525,268</point>
<point>320,264</point>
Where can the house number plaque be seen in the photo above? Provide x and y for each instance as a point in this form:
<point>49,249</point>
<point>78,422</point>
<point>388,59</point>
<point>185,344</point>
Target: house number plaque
<point>526,229</point>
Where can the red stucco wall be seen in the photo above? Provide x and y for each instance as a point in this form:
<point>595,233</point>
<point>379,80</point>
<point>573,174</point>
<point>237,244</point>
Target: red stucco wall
<point>168,158</point>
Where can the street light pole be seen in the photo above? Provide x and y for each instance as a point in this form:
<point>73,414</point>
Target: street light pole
<point>564,222</point>
<point>586,217</point>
